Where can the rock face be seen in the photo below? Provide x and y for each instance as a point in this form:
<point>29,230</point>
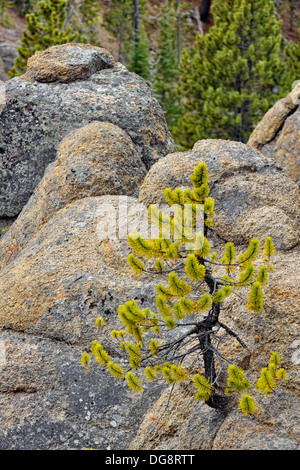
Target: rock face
<point>3,74</point>
<point>37,115</point>
<point>51,294</point>
<point>8,53</point>
<point>190,425</point>
<point>98,159</point>
<point>63,264</point>
<point>67,63</point>
<point>253,197</point>
<point>278,134</point>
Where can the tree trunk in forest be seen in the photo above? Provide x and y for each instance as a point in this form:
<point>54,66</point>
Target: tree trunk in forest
<point>204,10</point>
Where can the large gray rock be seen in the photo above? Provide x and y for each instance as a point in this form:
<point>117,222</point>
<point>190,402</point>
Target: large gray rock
<point>98,159</point>
<point>253,197</point>
<point>277,135</point>
<point>38,115</point>
<point>8,53</point>
<point>51,294</point>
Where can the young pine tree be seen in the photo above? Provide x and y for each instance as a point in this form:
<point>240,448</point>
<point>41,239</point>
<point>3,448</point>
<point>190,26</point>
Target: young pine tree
<point>45,28</point>
<point>190,299</point>
<point>234,74</point>
<point>166,59</point>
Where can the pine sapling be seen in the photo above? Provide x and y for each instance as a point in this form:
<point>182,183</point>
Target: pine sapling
<point>178,339</point>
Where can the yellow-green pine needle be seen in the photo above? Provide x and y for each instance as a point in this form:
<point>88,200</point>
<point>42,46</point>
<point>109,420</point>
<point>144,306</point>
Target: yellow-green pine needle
<point>136,264</point>
<point>251,253</point>
<point>163,291</point>
<point>154,215</point>
<point>153,347</point>
<point>170,323</point>
<point>132,349</point>
<point>134,362</point>
<point>266,382</point>
<point>227,290</point>
<point>205,302</point>
<point>177,311</point>
<point>178,373</point>
<point>208,222</point>
<point>173,197</point>
<point>178,286</point>
<point>187,305</point>
<point>262,275</point>
<point>114,334</point>
<point>115,369</point>
<point>133,382</point>
<point>201,246</point>
<point>85,359</point>
<point>201,192</point>
<point>137,333</point>
<point>255,299</point>
<point>281,374</point>
<point>150,374</point>
<point>188,196</point>
<point>246,277</point>
<point>125,317</point>
<point>247,404</point>
<point>100,321</point>
<point>162,307</point>
<point>167,374</point>
<point>168,194</point>
<point>101,356</point>
<point>229,253</point>
<point>275,359</point>
<point>218,296</point>
<point>200,175</point>
<point>172,251</point>
<point>139,245</point>
<point>193,269</point>
<point>269,248</point>
<point>159,265</point>
<point>209,204</point>
<point>236,379</point>
<point>133,311</point>
<point>205,389</point>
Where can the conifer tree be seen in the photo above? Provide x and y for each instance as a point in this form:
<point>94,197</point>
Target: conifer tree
<point>5,19</point>
<point>140,59</point>
<point>24,6</point>
<point>234,74</point>
<point>86,20</point>
<point>166,74</point>
<point>45,28</point>
<point>118,20</point>
<point>192,292</point>
<point>292,53</point>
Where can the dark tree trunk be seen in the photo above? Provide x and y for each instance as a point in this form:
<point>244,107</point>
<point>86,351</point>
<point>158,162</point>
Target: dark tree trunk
<point>204,10</point>
<point>136,20</point>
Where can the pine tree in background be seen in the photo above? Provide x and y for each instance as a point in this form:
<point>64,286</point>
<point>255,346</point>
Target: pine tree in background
<point>5,19</point>
<point>292,53</point>
<point>234,74</point>
<point>45,28</point>
<point>118,20</point>
<point>140,57</point>
<point>24,6</point>
<point>88,15</point>
<point>167,73</point>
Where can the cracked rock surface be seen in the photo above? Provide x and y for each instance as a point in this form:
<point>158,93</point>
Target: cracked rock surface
<point>39,114</point>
